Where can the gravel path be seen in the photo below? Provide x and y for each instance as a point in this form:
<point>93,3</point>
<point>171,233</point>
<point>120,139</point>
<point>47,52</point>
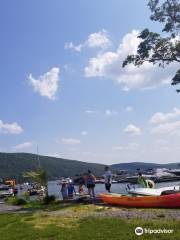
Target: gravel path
<point>139,213</point>
<point>4,208</point>
<point>101,211</point>
<point>121,213</point>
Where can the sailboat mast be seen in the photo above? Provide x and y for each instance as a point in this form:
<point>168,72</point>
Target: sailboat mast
<point>39,164</point>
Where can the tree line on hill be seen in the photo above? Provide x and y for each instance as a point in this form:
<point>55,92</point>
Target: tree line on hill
<point>13,165</point>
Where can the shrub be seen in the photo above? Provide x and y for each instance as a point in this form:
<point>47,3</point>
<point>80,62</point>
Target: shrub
<point>16,201</point>
<point>49,199</point>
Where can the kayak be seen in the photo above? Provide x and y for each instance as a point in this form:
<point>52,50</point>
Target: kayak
<point>152,191</point>
<point>163,201</point>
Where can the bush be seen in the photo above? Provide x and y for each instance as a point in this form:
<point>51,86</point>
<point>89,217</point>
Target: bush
<point>16,201</point>
<point>49,199</point>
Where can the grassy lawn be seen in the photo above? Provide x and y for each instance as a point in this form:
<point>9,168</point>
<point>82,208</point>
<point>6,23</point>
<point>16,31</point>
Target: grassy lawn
<point>73,223</point>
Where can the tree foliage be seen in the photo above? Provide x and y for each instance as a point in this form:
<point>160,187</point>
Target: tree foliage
<point>38,176</point>
<point>161,48</point>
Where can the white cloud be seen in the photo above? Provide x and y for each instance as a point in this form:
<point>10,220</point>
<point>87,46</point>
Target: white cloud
<point>165,125</point>
<point>98,66</point>
<point>160,117</point>
<point>56,155</point>
<point>84,133</point>
<point>130,146</point>
<point>109,65</point>
<point>47,84</point>
<point>12,128</point>
<point>98,39</point>
<point>129,109</point>
<point>69,68</point>
<point>132,130</point>
<point>107,112</point>
<point>110,112</point>
<point>76,48</point>
<point>91,112</point>
<point>22,146</point>
<point>172,128</point>
<point>70,141</point>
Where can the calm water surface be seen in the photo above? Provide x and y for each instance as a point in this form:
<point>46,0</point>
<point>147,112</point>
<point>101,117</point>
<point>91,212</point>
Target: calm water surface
<point>54,189</point>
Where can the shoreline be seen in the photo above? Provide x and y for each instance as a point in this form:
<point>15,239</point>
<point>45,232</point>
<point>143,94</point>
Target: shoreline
<point>94,209</point>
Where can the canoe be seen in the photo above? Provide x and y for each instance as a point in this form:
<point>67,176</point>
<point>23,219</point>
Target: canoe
<point>152,191</point>
<point>163,201</point>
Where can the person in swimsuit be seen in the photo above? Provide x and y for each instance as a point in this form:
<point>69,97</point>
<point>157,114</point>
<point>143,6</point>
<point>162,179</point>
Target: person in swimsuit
<point>90,183</point>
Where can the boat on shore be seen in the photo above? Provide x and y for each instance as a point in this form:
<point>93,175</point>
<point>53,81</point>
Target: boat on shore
<point>163,201</point>
<point>153,191</point>
<point>176,172</point>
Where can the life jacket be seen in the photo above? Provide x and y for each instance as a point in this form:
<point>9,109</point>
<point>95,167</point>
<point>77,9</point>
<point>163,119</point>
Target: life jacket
<point>142,181</point>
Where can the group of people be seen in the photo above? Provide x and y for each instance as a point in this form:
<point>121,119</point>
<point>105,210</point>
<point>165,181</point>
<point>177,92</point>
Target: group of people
<point>67,190</point>
<point>88,180</point>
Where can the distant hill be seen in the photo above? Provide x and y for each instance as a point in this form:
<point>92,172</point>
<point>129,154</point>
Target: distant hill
<point>12,165</point>
<point>142,166</point>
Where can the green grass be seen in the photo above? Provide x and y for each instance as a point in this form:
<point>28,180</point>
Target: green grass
<point>15,201</point>
<point>36,204</point>
<point>47,225</point>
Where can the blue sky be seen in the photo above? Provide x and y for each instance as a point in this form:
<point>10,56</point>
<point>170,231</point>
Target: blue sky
<point>62,86</point>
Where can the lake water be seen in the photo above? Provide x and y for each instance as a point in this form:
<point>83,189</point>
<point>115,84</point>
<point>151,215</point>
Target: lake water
<point>54,189</point>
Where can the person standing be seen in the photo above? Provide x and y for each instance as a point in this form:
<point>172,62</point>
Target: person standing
<point>71,190</point>
<point>90,183</point>
<point>64,191</point>
<point>108,179</point>
<point>141,180</point>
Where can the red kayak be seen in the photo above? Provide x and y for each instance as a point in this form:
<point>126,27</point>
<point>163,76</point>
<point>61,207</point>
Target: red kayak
<point>164,201</point>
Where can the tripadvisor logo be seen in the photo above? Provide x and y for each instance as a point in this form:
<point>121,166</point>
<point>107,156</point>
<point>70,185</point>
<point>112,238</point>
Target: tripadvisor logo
<point>139,231</point>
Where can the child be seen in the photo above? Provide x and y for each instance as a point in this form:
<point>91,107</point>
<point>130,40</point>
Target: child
<point>71,190</point>
<point>81,190</point>
<point>64,191</point>
<point>81,182</point>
